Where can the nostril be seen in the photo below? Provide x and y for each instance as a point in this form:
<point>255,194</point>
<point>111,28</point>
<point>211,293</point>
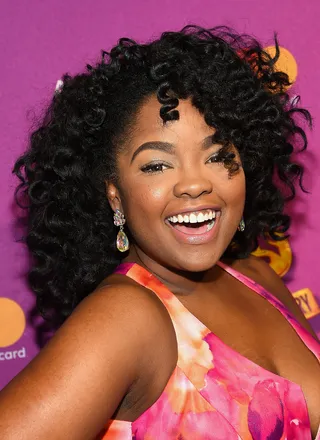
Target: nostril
<point>192,187</point>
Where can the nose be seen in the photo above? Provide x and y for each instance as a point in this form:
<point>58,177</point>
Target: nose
<point>192,184</point>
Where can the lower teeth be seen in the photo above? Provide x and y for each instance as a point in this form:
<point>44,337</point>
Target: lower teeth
<point>210,225</point>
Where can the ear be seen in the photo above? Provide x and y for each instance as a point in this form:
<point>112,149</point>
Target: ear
<point>113,196</point>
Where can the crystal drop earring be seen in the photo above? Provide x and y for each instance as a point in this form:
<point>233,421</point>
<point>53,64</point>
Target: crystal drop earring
<point>122,239</point>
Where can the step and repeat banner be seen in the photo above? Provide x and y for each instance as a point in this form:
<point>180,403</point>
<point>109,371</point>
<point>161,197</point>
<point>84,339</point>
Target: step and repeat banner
<point>42,40</point>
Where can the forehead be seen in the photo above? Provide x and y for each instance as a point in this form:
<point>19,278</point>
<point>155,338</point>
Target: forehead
<point>148,125</point>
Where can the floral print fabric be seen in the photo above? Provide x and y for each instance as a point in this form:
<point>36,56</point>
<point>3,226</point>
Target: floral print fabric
<point>215,393</point>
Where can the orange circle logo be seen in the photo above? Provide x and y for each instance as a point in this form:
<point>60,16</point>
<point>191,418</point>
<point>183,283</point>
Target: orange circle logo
<point>12,322</point>
<point>286,62</point>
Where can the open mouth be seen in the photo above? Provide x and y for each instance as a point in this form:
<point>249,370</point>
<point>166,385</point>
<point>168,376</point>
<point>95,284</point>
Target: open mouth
<point>194,223</point>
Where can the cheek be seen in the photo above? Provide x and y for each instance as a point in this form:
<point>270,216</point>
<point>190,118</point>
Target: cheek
<point>233,194</point>
<point>233,191</point>
<point>239,187</point>
<point>155,194</point>
<point>143,206</point>
<point>144,200</point>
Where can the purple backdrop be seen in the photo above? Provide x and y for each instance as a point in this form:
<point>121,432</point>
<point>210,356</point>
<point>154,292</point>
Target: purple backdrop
<point>40,40</point>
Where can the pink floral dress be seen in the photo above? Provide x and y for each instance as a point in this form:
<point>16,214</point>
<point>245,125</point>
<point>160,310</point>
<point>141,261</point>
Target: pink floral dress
<point>215,393</point>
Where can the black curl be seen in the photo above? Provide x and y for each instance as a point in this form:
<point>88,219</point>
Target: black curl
<point>229,79</point>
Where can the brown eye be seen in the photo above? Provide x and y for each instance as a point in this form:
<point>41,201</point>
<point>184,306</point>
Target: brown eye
<point>154,168</point>
<point>221,156</point>
<point>227,159</point>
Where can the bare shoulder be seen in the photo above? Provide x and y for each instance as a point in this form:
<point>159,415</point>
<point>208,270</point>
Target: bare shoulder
<point>129,303</point>
<point>261,272</point>
<point>91,362</point>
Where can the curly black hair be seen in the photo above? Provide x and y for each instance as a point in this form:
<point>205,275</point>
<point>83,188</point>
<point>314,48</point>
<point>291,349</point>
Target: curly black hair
<point>229,78</point>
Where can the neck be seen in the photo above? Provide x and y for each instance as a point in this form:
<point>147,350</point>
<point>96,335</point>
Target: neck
<point>177,281</point>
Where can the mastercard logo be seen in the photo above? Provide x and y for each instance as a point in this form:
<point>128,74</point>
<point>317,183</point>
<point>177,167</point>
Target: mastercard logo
<point>12,322</point>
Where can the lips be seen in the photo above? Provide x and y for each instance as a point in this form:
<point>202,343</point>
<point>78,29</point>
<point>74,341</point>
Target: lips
<point>194,222</point>
<point>194,227</point>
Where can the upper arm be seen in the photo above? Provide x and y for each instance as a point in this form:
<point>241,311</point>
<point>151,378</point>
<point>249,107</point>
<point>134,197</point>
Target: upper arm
<point>267,277</point>
<point>75,384</point>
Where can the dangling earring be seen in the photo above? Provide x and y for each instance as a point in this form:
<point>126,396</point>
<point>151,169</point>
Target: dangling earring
<point>242,225</point>
<point>122,239</point>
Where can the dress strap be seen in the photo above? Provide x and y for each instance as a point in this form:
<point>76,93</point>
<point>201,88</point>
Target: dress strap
<point>194,355</point>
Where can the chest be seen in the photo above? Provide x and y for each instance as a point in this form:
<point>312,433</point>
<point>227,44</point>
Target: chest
<point>256,330</point>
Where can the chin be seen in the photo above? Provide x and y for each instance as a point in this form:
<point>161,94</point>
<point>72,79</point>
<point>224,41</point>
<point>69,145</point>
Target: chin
<point>197,264</point>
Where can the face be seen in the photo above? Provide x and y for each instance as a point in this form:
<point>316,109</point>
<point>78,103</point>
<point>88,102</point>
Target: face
<point>182,205</point>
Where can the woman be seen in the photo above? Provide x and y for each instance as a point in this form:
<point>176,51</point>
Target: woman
<point>149,183</point>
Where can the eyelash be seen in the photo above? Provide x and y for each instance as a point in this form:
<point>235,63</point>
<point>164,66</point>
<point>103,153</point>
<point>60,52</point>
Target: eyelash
<point>151,168</point>
<point>221,156</point>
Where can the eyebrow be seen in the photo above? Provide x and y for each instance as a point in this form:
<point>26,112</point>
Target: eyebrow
<point>167,147</point>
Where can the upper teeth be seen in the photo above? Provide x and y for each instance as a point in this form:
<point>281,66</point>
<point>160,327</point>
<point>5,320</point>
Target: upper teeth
<point>193,217</point>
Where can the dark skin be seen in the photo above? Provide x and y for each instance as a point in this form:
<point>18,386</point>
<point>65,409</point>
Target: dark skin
<point>103,358</point>
<point>234,313</point>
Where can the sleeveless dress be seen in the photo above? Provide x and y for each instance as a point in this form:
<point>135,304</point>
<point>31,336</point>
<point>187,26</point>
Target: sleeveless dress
<point>215,393</point>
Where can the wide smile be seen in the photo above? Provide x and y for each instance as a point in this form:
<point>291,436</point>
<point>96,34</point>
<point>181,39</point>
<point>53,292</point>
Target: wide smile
<point>196,227</point>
